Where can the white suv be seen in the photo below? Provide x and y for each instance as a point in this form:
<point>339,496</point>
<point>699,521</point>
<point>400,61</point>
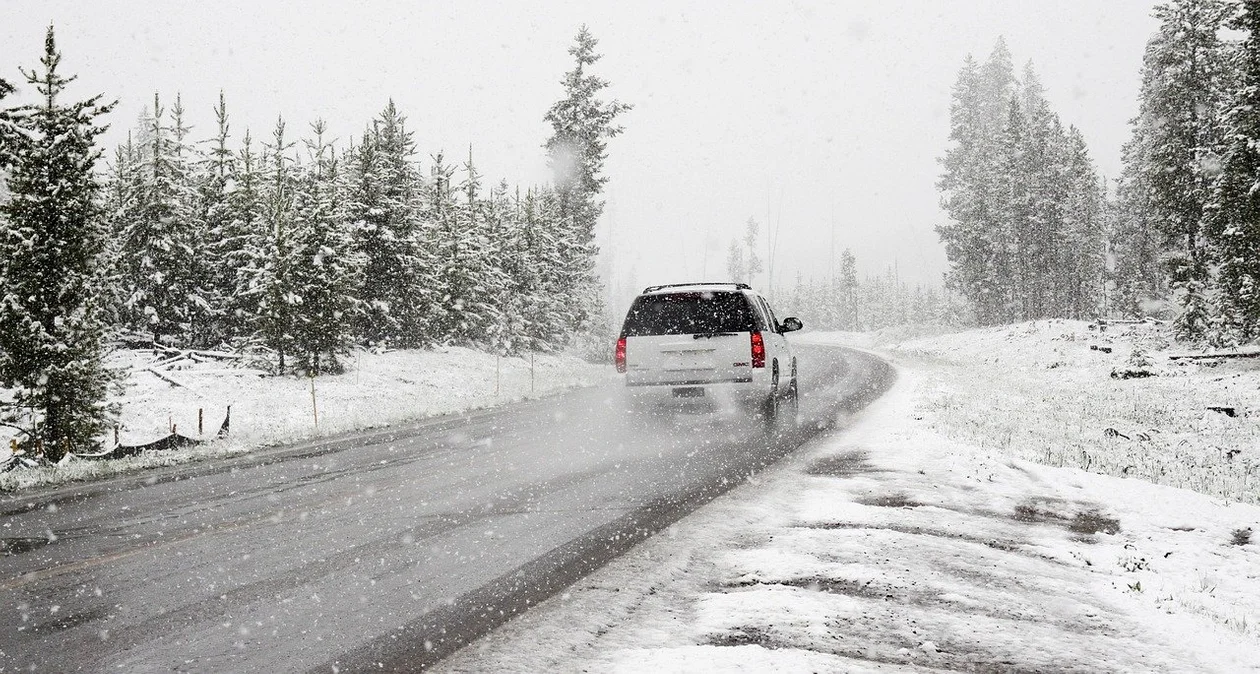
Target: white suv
<point>716,343</point>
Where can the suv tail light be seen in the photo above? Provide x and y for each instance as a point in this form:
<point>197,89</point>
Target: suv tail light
<point>620,356</point>
<point>758,350</point>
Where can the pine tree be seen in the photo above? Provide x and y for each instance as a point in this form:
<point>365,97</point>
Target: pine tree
<point>235,248</point>
<point>1234,214</point>
<point>272,266</point>
<point>8,130</point>
<point>752,265</point>
<point>222,243</point>
<point>384,204</point>
<point>736,267</point>
<point>446,247</point>
<point>325,270</point>
<point>1082,261</point>
<point>52,333</point>
<point>581,125</point>
<point>975,237</point>
<point>848,293</point>
<point>1132,238</point>
<point>1023,198</point>
<point>162,244</point>
<point>478,272</point>
<point>1176,141</point>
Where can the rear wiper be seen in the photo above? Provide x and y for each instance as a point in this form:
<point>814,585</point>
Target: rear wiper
<point>710,335</point>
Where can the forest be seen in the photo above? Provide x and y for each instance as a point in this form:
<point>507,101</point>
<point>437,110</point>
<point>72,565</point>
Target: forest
<point>285,245</point>
<point>1034,232</point>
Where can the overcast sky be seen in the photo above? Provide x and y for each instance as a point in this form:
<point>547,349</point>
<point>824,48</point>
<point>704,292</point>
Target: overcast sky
<point>810,116</point>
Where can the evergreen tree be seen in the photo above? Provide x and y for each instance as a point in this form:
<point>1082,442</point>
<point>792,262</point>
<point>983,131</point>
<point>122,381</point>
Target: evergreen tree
<point>222,243</point>
<point>271,271</point>
<point>325,270</point>
<point>165,293</point>
<point>581,125</point>
<point>478,265</point>
<point>384,205</point>
<point>52,333</point>
<point>8,129</point>
<point>1234,217</point>
<point>1132,238</point>
<point>974,237</point>
<point>1082,259</point>
<point>235,249</point>
<point>848,315</point>
<point>1176,139</point>
<point>736,267</point>
<point>752,265</point>
<point>1024,202</point>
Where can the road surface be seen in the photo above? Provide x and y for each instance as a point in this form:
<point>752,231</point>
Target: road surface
<point>383,550</point>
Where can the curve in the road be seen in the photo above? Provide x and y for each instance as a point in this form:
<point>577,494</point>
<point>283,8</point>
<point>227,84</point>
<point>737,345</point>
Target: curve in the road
<point>388,549</point>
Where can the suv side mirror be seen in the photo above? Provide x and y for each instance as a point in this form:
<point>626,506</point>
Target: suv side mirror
<point>791,324</point>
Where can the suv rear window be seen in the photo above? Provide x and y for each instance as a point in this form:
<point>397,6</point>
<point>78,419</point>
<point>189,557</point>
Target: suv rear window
<point>688,314</point>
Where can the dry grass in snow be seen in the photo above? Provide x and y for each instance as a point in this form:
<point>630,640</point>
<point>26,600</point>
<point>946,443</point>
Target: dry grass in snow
<point>1044,391</point>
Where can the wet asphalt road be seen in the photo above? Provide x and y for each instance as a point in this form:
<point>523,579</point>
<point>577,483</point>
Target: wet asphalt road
<point>382,551</point>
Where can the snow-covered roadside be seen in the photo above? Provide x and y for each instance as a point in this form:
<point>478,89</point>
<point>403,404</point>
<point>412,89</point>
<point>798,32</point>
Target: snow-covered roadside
<point>890,547</point>
<point>378,389</point>
<point>1044,391</point>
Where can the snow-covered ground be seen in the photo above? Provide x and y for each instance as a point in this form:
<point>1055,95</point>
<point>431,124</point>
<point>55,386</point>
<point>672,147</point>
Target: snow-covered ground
<point>954,527</point>
<point>378,389</point>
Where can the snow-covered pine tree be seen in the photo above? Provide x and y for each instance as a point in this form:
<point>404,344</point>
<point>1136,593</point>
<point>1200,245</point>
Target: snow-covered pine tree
<point>556,315</point>
<point>974,236</point>
<point>221,243</point>
<point>160,253</point>
<point>581,122</point>
<point>546,314</point>
<point>506,255</point>
<point>752,263</point>
<point>478,272</point>
<point>326,270</point>
<point>1132,239</point>
<point>384,204</point>
<point>848,293</point>
<point>1013,222</point>
<point>52,332</point>
<point>272,261</point>
<point>236,247</point>
<point>8,131</point>
<point>1184,78</point>
<point>444,245</point>
<point>1081,262</point>
<point>736,267</point>
<point>119,186</point>
<point>1039,241</point>
<point>203,305</point>
<point>1234,212</point>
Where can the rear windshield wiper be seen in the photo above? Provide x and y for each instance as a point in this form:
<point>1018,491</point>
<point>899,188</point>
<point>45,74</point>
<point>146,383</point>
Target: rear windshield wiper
<point>710,335</point>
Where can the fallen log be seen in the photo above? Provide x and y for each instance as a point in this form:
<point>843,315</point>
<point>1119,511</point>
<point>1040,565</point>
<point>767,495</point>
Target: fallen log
<point>1210,356</point>
<point>167,378</point>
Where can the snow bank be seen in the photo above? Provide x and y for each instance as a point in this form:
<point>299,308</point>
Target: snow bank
<point>1044,391</point>
<point>378,389</point>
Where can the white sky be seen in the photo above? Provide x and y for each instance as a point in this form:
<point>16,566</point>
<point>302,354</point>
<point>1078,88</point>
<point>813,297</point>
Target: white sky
<point>788,111</point>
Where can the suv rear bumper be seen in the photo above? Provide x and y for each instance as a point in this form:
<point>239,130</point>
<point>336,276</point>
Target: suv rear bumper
<point>691,382</point>
<point>727,394</point>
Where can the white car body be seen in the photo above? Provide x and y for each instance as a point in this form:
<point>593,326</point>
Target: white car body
<point>718,342</point>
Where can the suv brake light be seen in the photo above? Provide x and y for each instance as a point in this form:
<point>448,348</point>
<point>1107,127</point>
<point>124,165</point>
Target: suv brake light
<point>758,350</point>
<point>620,356</point>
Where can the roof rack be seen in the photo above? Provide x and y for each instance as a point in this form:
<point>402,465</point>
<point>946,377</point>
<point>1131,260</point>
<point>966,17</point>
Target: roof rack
<point>652,289</point>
